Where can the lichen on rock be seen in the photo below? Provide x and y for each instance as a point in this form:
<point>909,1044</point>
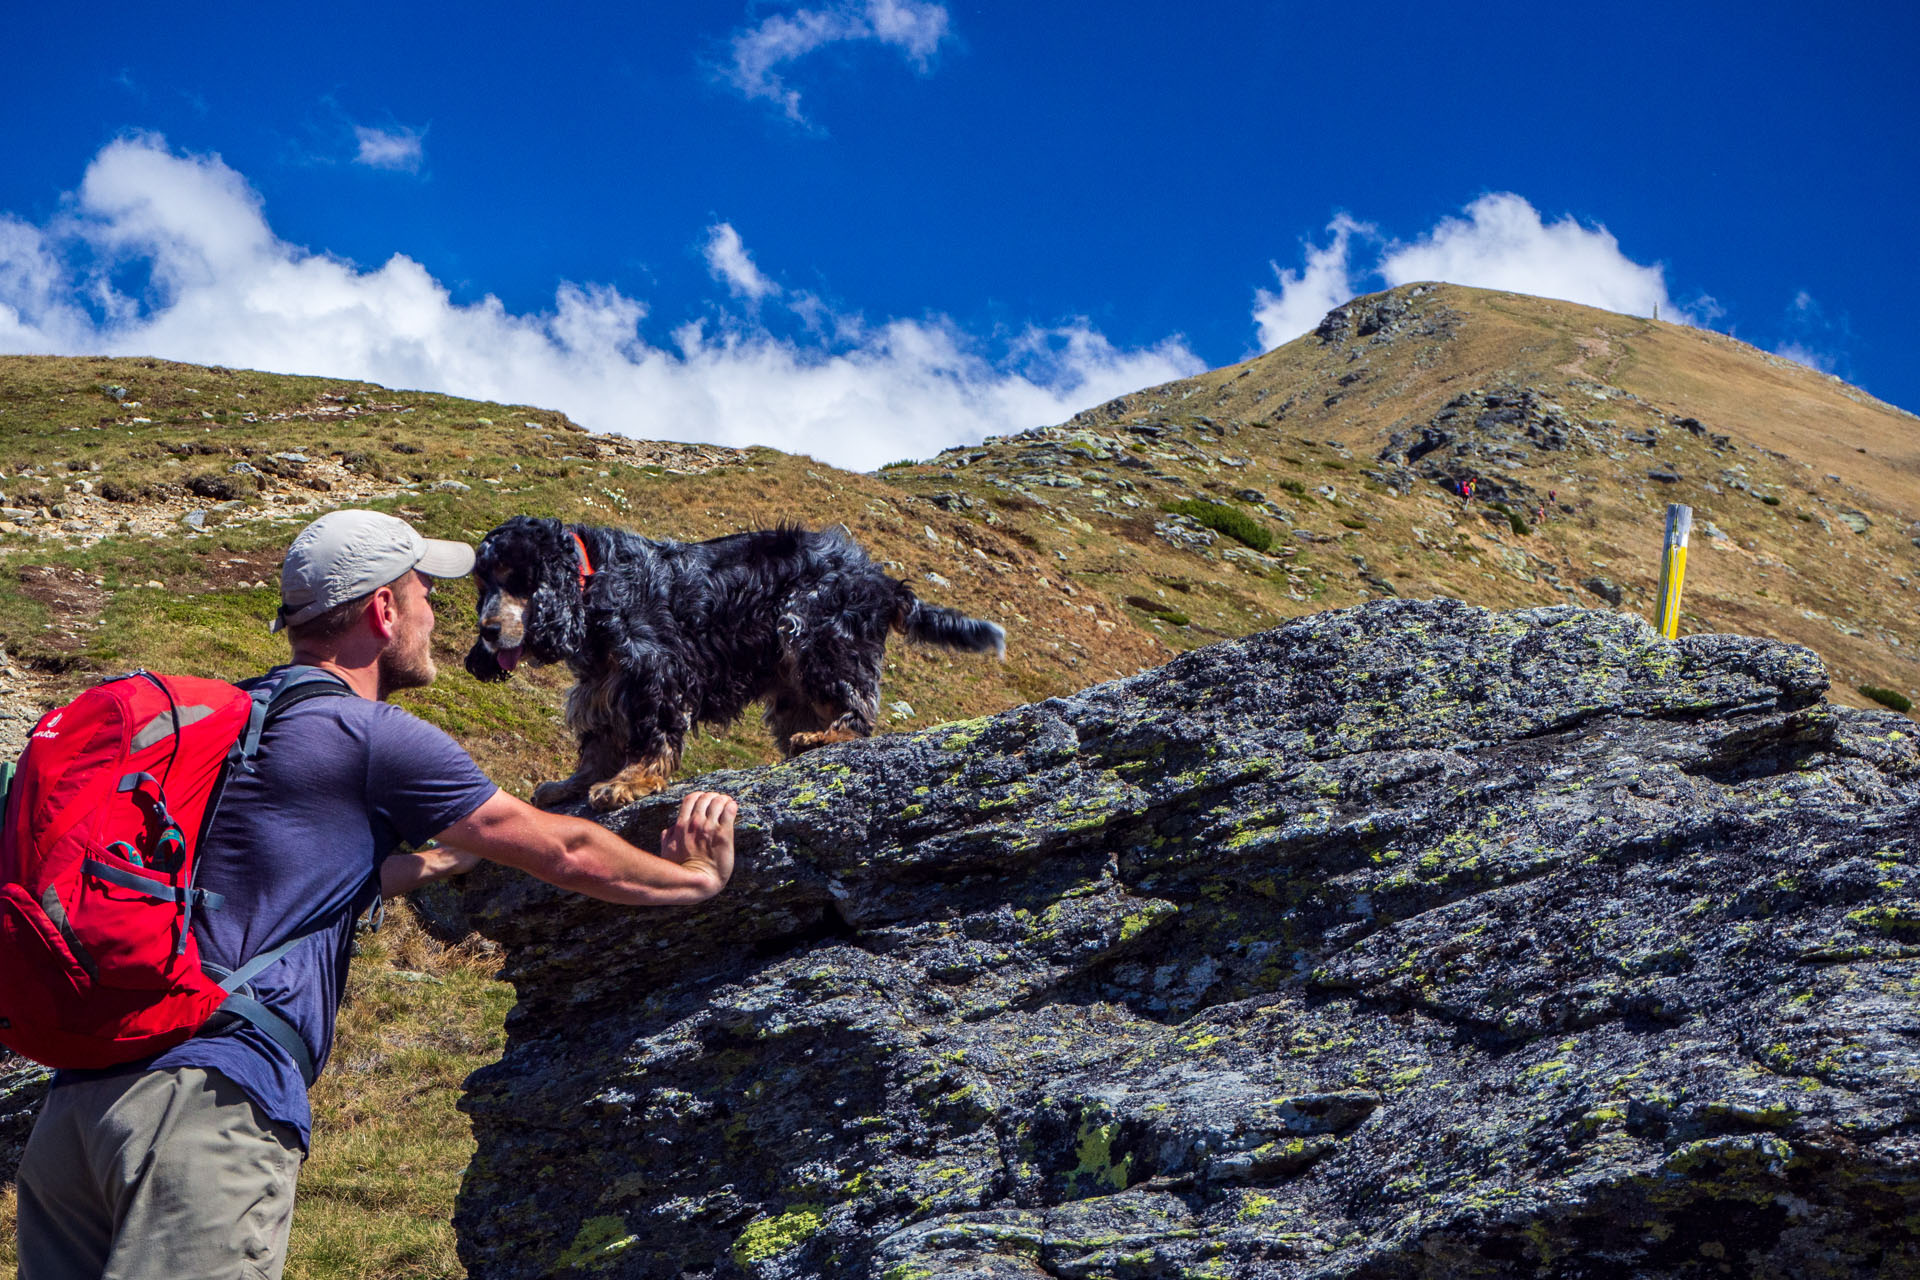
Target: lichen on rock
<point>1410,939</point>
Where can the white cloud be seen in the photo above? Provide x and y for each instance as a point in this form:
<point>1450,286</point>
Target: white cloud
<point>1801,354</point>
<point>729,261</point>
<point>1308,294</point>
<point>1501,243</point>
<point>226,290</point>
<point>400,149</point>
<point>915,27</point>
<point>1813,339</point>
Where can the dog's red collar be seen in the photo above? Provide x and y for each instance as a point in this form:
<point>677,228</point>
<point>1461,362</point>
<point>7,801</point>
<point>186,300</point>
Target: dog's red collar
<point>586,565</point>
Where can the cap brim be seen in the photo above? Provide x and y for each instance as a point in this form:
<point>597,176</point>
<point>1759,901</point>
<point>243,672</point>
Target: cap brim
<point>446,559</point>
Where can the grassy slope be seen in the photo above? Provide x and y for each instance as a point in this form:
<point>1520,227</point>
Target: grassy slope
<point>1086,587</point>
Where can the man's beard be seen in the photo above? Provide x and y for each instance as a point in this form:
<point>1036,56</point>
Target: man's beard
<point>411,668</point>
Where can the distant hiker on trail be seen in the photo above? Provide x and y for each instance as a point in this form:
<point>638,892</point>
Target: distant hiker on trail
<point>184,1164</point>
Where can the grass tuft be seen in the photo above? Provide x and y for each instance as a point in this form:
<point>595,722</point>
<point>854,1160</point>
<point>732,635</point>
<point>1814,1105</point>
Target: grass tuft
<point>1221,518</point>
<point>1887,697</point>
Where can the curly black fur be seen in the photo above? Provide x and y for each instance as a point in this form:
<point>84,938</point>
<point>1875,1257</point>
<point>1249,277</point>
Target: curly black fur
<point>663,636</point>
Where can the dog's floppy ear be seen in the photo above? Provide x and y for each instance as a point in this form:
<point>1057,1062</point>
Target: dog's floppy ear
<point>556,614</point>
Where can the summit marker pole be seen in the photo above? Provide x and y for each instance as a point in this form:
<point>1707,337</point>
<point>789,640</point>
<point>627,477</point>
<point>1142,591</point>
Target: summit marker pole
<point>1673,568</point>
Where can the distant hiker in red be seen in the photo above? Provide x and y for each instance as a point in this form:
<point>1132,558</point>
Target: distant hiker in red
<point>183,1164</point>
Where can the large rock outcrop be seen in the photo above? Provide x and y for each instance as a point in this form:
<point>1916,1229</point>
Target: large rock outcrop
<point>1405,940</point>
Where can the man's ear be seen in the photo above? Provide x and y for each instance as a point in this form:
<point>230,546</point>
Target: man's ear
<point>383,613</point>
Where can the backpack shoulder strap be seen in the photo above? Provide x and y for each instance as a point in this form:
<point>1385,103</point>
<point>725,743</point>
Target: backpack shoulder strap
<point>274,695</point>
<point>271,697</point>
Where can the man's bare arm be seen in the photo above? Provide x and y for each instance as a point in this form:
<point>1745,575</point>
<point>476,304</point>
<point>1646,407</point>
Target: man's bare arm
<point>404,872</point>
<point>695,860</point>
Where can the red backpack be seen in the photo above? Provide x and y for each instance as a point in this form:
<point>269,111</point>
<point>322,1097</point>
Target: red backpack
<point>98,862</point>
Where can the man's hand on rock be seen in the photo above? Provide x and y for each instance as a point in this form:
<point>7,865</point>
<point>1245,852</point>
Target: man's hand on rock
<point>702,835</point>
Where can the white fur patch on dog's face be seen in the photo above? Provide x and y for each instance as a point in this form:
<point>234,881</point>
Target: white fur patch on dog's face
<point>509,613</point>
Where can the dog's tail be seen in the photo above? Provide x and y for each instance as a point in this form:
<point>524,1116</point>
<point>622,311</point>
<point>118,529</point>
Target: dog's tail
<point>949,628</point>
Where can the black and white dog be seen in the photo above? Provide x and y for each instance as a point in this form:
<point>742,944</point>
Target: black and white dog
<point>662,636</point>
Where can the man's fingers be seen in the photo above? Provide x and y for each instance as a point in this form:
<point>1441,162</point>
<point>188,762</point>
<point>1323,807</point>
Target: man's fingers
<point>720,808</point>
<point>707,808</point>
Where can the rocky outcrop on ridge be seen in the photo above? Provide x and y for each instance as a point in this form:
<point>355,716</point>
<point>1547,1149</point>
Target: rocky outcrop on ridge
<point>1405,940</point>
<point>1493,434</point>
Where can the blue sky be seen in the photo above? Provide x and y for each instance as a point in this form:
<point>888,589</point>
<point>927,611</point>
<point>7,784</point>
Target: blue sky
<point>868,229</point>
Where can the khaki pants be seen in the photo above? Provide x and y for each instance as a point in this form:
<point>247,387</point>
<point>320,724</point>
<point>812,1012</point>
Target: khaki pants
<point>155,1174</point>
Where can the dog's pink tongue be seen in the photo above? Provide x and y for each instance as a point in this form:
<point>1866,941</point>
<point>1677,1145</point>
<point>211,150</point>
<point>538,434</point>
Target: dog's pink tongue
<point>508,658</point>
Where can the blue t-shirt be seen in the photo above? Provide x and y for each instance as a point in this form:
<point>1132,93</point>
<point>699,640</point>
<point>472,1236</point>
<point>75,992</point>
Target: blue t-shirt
<point>339,783</point>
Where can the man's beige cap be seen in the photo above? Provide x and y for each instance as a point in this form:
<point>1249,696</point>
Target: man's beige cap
<point>346,554</point>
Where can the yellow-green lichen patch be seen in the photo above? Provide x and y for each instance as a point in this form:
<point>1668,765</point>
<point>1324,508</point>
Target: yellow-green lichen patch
<point>1097,1170</point>
<point>598,1242</point>
<point>962,734</point>
<point>770,1237</point>
<point>1894,920</point>
<point>1138,922</point>
<point>1255,1207</point>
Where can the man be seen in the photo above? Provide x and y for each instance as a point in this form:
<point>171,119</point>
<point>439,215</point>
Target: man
<point>184,1165</point>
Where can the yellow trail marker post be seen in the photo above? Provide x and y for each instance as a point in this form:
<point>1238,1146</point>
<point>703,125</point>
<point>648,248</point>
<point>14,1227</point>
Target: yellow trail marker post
<point>1673,568</point>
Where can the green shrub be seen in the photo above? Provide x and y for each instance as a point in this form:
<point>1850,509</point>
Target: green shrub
<point>1769,499</point>
<point>1887,697</point>
<point>1221,518</point>
<point>1515,521</point>
<point>1163,612</point>
<point>1353,523</point>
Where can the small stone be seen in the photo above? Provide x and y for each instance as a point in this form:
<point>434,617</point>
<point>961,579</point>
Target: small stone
<point>195,519</point>
<point>450,486</point>
<point>902,709</point>
<point>154,584</point>
<point>939,581</point>
<point>1606,588</point>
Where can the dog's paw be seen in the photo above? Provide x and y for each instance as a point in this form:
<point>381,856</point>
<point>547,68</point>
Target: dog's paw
<point>616,793</point>
<point>551,795</point>
<point>824,738</point>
